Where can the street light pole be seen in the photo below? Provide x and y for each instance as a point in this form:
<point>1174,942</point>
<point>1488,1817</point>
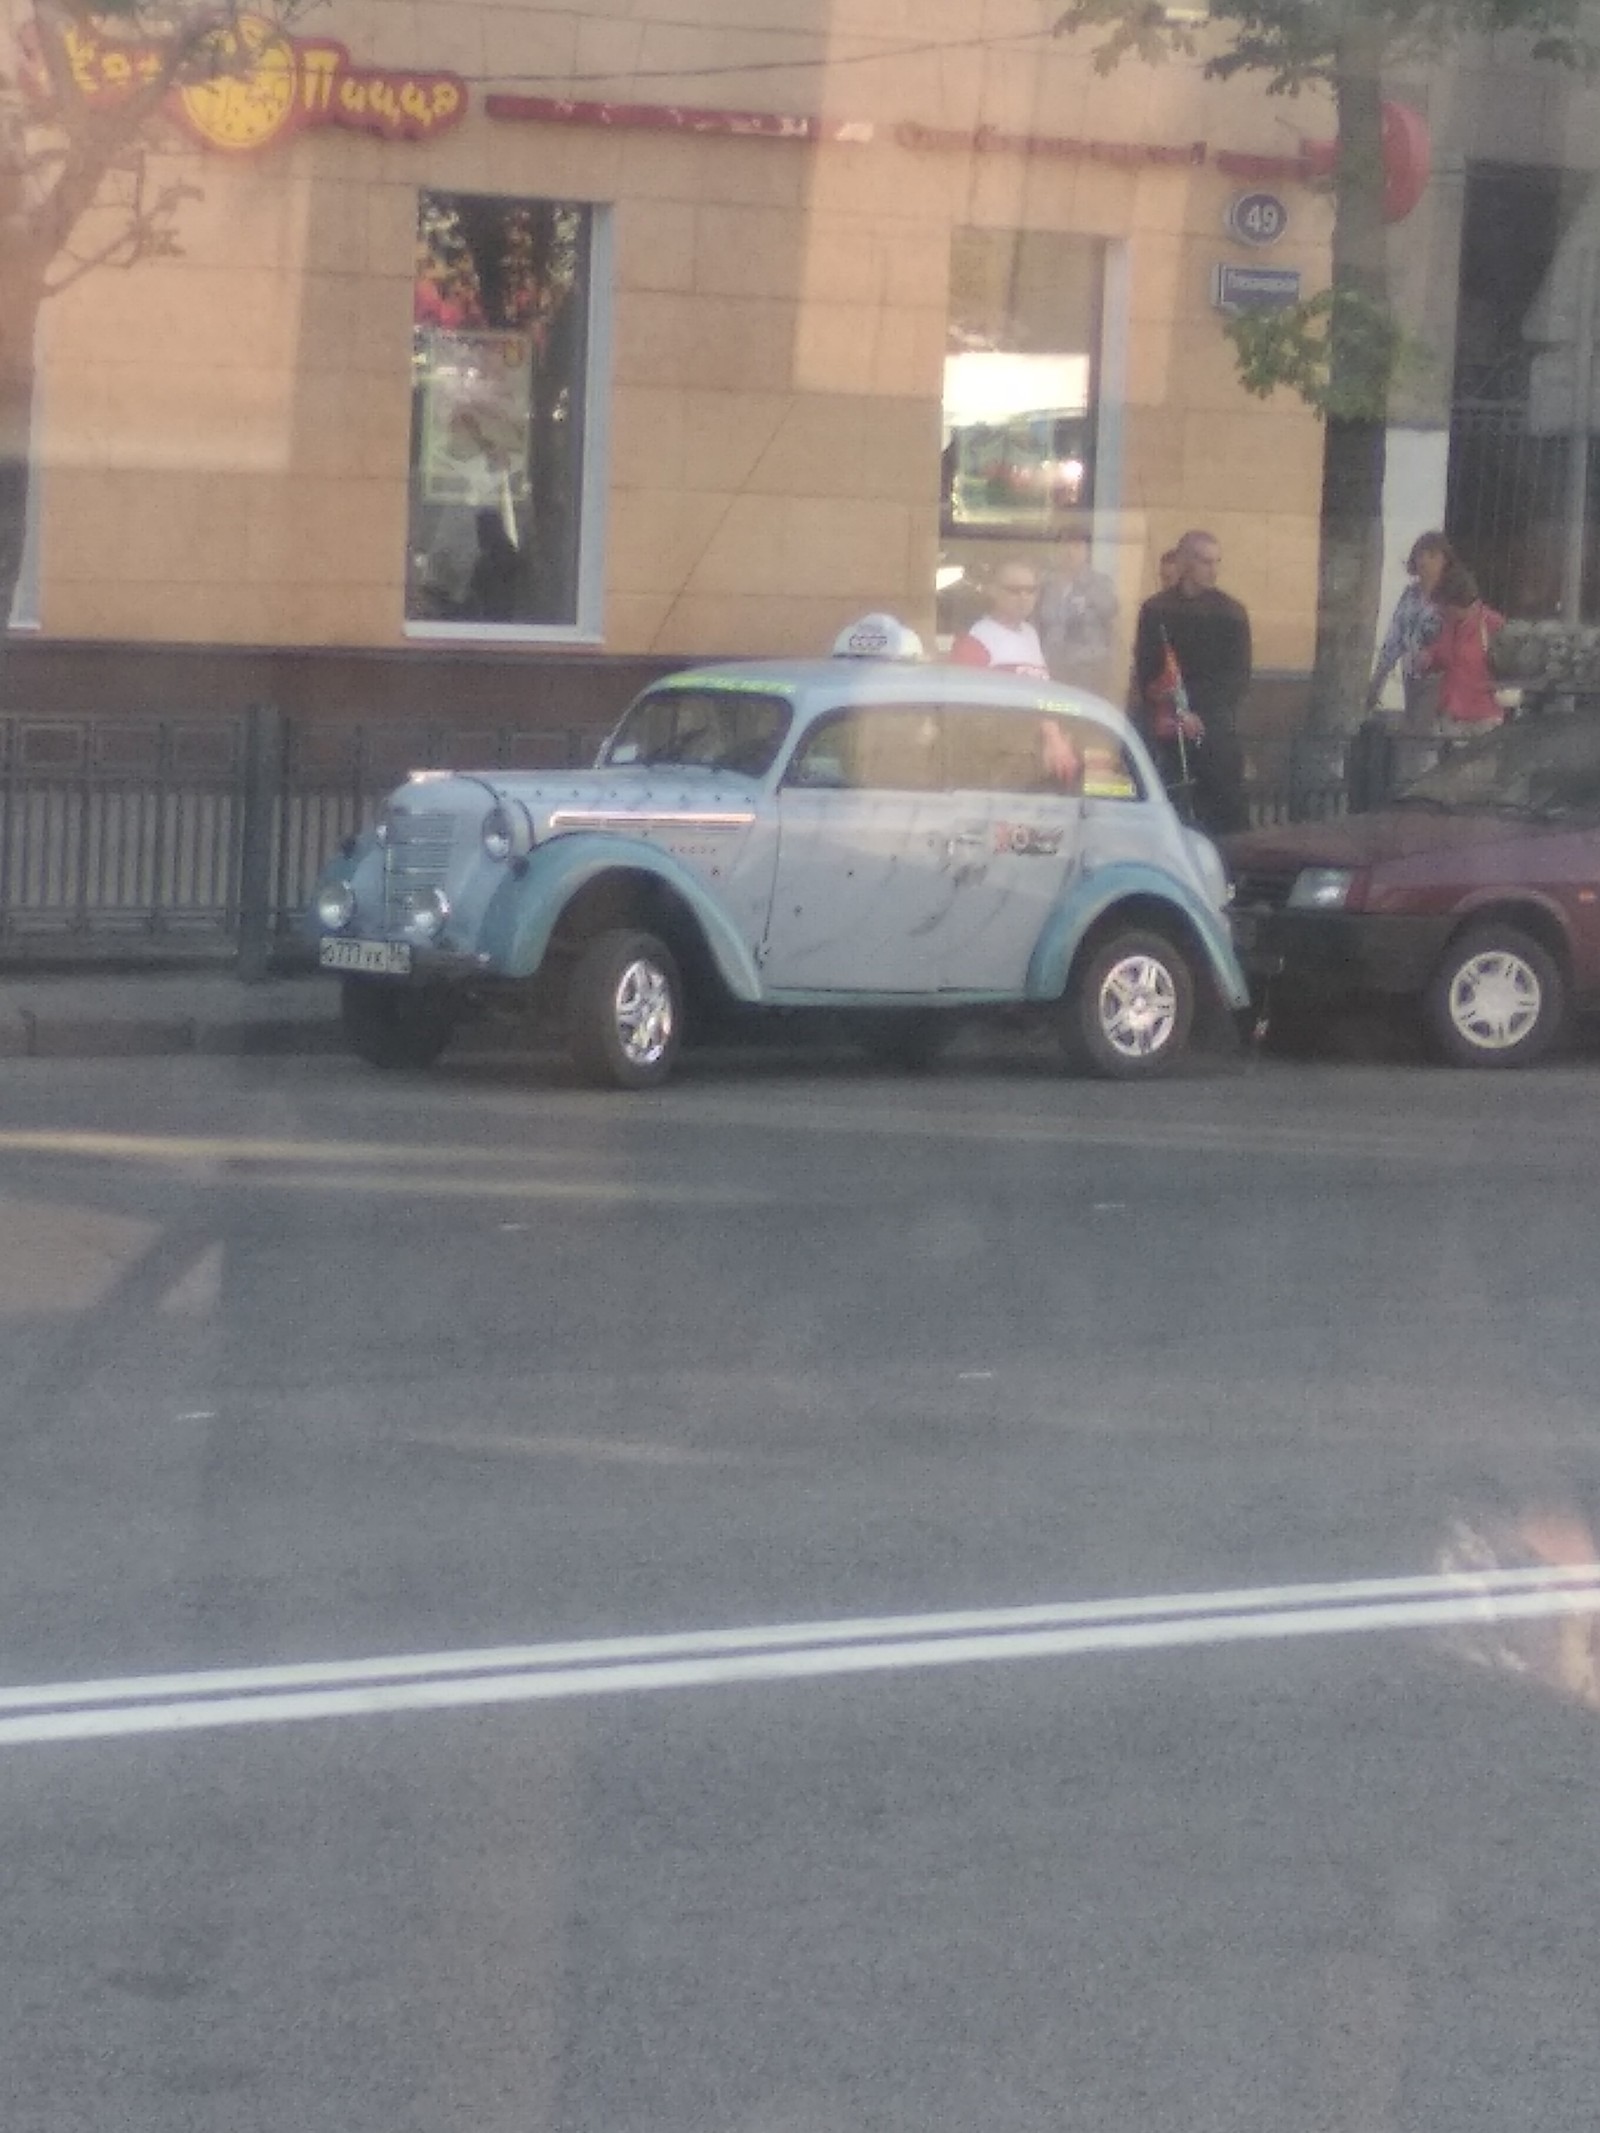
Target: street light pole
<point>1578,450</point>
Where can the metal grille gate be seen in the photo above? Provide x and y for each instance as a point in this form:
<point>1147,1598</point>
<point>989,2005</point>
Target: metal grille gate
<point>127,830</point>
<point>165,837</point>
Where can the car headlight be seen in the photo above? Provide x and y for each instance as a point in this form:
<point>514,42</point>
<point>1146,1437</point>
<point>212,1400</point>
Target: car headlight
<point>1321,889</point>
<point>507,832</point>
<point>425,911</point>
<point>336,906</point>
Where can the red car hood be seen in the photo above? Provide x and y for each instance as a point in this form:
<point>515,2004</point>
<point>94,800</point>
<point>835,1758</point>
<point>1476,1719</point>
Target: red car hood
<point>1368,840</point>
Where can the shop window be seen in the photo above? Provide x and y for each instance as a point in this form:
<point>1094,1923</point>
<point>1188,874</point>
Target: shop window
<point>1019,380</point>
<point>504,496</point>
<point>1020,400</point>
<point>25,595</point>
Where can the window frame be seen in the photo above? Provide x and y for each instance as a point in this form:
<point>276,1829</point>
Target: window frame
<point>588,626</point>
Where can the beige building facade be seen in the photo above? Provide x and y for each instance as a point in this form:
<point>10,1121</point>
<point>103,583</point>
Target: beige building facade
<point>747,287</point>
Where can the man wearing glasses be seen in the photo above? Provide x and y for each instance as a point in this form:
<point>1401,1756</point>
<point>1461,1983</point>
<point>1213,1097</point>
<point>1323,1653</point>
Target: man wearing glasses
<point>1004,637</point>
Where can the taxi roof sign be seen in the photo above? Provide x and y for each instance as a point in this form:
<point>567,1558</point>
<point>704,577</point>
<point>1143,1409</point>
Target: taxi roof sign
<point>878,637</point>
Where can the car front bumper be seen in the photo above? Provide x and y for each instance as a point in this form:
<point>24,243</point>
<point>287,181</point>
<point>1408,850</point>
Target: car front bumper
<point>1338,954</point>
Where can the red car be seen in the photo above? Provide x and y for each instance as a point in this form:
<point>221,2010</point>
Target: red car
<point>1476,892</point>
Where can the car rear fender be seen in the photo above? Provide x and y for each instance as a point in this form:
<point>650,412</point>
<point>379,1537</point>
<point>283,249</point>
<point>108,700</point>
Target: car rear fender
<point>527,908</point>
<point>1151,895</point>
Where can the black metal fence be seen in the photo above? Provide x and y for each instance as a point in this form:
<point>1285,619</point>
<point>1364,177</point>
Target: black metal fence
<point>169,838</point>
<point>129,829</point>
<point>202,836</point>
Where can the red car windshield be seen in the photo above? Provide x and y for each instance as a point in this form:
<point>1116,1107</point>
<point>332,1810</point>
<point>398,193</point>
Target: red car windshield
<point>1548,764</point>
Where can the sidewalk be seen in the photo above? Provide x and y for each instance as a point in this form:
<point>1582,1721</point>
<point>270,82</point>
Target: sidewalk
<point>111,1014</point>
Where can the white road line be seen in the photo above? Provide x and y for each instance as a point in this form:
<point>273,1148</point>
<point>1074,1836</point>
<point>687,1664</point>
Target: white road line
<point>576,1192</point>
<point>276,1695</point>
<point>603,1451</point>
<point>1426,1142</point>
<point>237,1148</point>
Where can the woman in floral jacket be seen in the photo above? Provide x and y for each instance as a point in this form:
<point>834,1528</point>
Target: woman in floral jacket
<point>1413,628</point>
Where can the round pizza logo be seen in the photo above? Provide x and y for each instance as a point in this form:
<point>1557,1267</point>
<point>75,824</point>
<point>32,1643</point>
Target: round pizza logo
<point>251,97</point>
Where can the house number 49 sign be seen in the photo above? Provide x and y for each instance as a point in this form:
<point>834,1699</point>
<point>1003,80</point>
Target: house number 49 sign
<point>1257,218</point>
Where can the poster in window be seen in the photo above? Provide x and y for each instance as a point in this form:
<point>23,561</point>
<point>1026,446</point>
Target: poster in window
<point>477,397</point>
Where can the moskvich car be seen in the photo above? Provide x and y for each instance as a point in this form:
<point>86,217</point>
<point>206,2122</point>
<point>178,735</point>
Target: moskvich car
<point>870,832</point>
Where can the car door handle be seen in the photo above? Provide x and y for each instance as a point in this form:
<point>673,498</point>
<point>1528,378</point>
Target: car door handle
<point>965,841</point>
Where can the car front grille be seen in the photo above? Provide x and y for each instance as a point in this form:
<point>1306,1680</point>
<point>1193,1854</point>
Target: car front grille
<point>416,858</point>
<point>1264,889</point>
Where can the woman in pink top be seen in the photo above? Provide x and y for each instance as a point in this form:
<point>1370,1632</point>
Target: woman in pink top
<point>1460,652</point>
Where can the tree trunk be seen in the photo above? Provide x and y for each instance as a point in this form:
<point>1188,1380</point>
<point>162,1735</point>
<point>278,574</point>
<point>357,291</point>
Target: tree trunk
<point>1354,446</point>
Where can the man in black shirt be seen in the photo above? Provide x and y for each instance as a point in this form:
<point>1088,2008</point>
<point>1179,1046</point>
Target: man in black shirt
<point>1209,633</point>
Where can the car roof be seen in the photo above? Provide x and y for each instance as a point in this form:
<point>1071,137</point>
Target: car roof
<point>823,684</point>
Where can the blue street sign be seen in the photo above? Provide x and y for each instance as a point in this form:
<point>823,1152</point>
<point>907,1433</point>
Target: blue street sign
<point>1254,288</point>
<point>1257,218</point>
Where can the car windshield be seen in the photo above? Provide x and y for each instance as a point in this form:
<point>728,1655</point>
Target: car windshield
<point>709,729</point>
<point>1548,765</point>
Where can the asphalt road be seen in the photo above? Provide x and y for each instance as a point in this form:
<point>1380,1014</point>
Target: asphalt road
<point>565,1410</point>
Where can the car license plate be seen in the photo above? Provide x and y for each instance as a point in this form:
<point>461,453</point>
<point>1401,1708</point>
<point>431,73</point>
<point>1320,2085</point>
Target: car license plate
<point>379,959</point>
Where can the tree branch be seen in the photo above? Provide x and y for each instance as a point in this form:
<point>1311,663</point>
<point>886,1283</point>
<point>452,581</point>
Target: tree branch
<point>142,236</point>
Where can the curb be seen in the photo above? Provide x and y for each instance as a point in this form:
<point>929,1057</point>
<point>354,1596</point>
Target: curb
<point>27,1035</point>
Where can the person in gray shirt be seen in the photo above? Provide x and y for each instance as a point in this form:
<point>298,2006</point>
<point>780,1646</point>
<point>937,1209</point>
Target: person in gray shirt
<point>1077,616</point>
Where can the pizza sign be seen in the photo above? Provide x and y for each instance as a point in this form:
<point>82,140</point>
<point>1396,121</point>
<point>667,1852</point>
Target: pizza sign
<point>253,85</point>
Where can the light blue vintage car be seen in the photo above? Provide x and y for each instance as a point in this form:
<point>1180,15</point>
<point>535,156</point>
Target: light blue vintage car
<point>871,832</point>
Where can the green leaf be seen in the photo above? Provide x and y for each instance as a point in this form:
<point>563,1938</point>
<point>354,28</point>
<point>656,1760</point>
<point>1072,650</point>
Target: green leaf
<point>1341,351</point>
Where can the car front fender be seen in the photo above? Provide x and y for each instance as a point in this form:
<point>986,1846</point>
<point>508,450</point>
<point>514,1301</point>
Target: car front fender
<point>1094,894</point>
<point>526,909</point>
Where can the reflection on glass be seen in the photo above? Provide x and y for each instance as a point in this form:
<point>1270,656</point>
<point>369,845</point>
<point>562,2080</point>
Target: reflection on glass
<point>1557,1649</point>
<point>499,350</point>
<point>708,729</point>
<point>1020,400</point>
<point>1547,764</point>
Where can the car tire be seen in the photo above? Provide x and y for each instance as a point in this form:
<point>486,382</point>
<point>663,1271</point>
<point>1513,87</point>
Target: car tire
<point>394,1025</point>
<point>1497,999</point>
<point>905,1040</point>
<point>625,1011</point>
<point>1129,1008</point>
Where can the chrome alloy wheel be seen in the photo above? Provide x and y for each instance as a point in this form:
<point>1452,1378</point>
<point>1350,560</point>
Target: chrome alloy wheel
<point>644,1012</point>
<point>1495,999</point>
<point>1138,1006</point>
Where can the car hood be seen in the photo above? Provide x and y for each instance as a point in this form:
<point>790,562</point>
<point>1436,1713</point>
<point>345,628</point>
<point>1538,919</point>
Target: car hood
<point>574,799</point>
<point>1369,840</point>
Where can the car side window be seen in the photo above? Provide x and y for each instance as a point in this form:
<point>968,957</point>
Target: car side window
<point>1109,772</point>
<point>875,748</point>
<point>993,750</point>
